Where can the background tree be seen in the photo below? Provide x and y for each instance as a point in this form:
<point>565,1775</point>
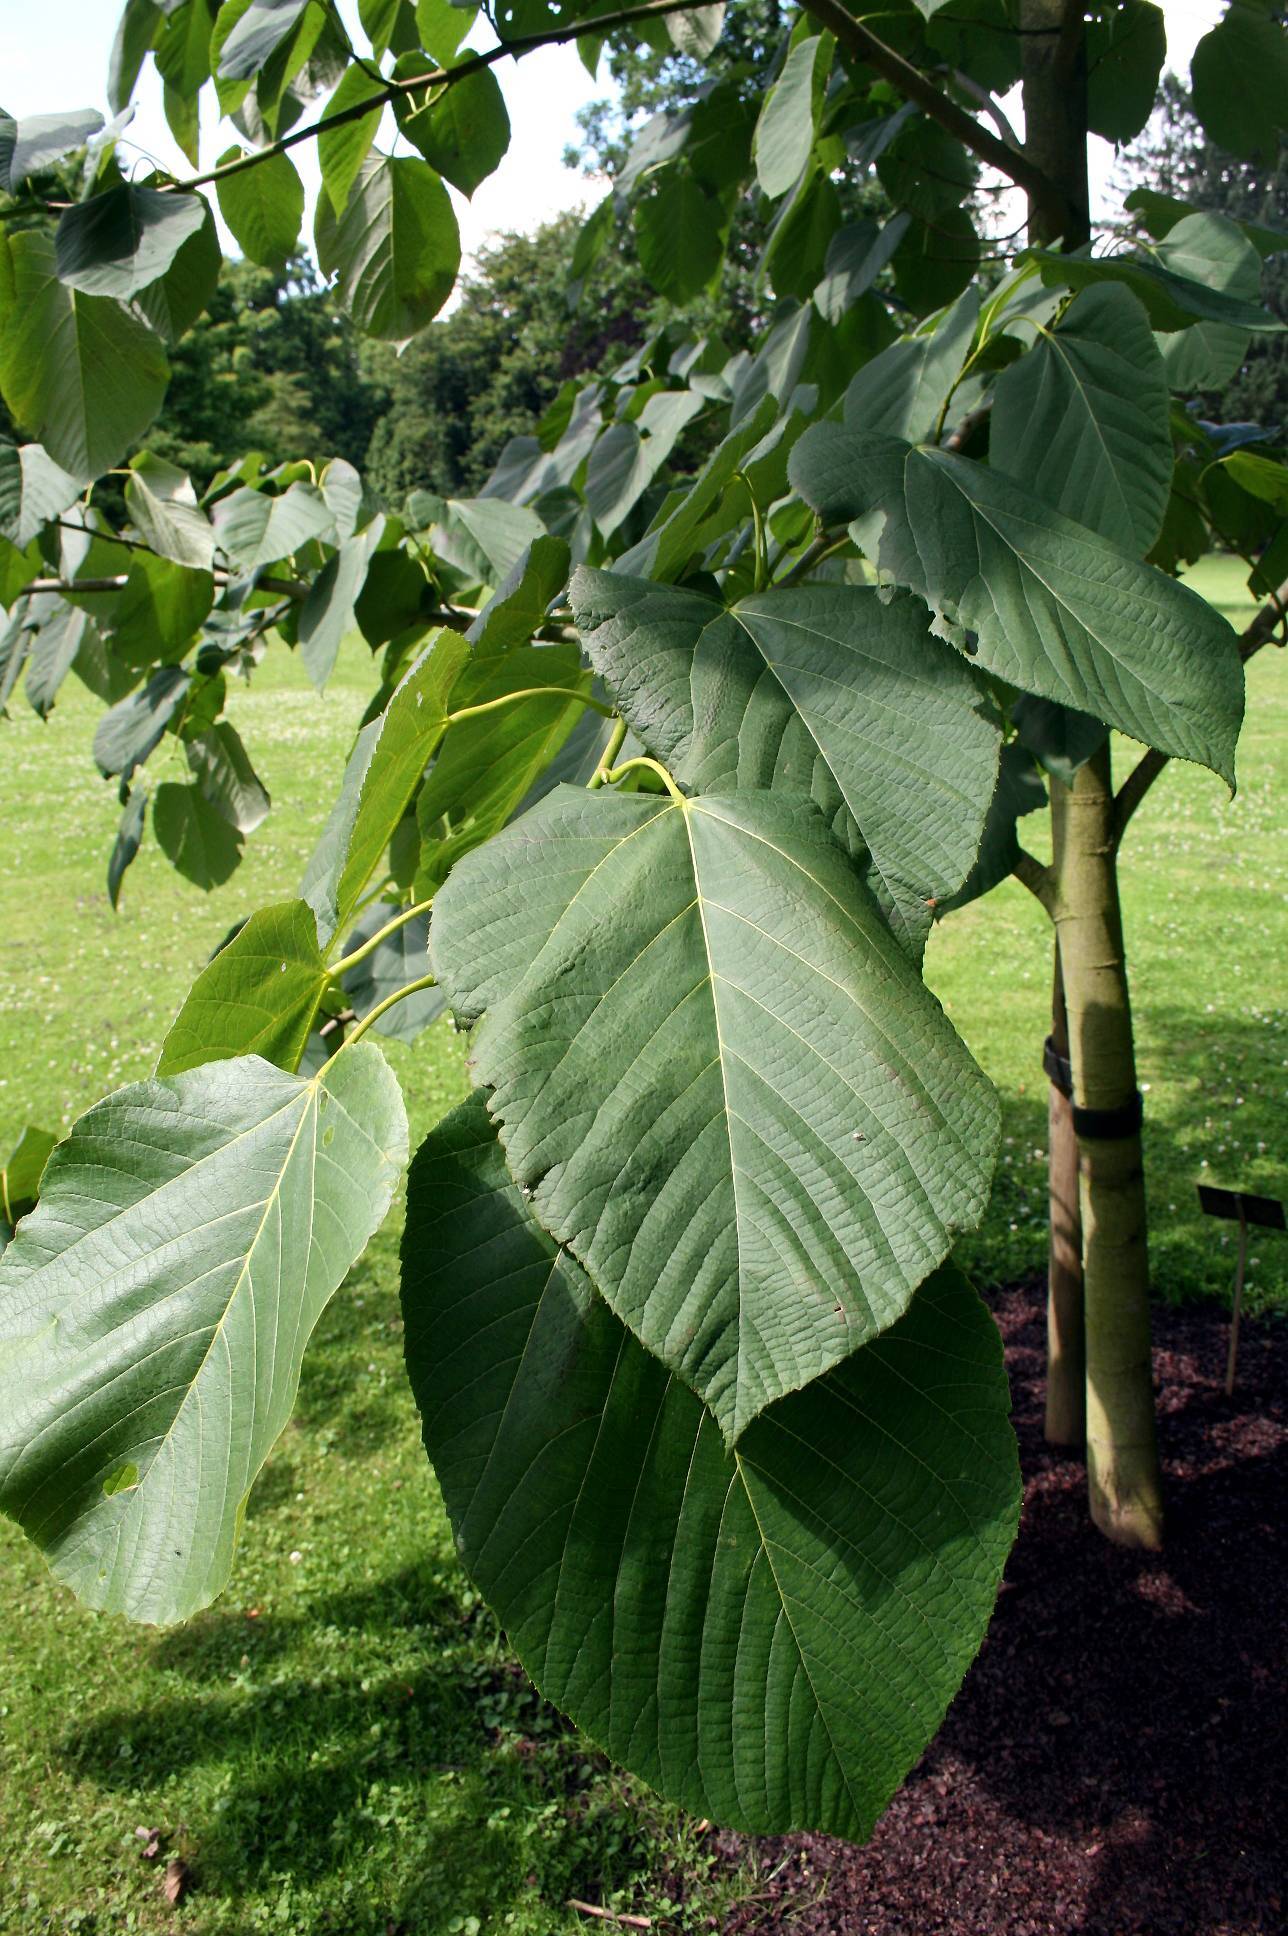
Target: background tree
<point>1175,161</point>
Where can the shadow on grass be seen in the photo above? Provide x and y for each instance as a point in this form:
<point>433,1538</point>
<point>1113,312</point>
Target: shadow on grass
<point>448,1745</point>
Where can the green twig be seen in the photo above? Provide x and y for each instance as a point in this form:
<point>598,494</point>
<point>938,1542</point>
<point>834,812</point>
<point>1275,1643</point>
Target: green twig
<point>530,692</point>
<point>654,766</point>
<point>761,578</point>
<point>400,920</point>
<point>610,752</point>
<point>374,1014</point>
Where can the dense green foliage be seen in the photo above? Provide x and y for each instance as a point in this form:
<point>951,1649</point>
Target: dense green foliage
<point>680,893</point>
<point>1176,159</point>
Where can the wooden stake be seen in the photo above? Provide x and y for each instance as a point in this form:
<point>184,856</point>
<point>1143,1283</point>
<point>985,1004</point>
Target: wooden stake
<point>1239,1270</point>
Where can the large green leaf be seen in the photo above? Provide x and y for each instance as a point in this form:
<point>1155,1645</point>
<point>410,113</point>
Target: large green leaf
<point>33,489</point>
<point>785,130</point>
<point>486,765</point>
<point>136,30</point>
<point>677,231</point>
<point>158,610</point>
<point>464,132</point>
<point>771,1635</point>
<point>257,996</point>
<point>383,773</point>
<point>163,504</point>
<point>133,728</point>
<point>129,839</point>
<point>825,689</point>
<point>628,456</point>
<point>263,206</point>
<point>1171,300</point>
<point>1037,599</point>
<point>1239,80</point>
<point>1212,250</point>
<point>342,150</point>
<point>327,612</point>
<point>512,616</point>
<point>1083,419</point>
<point>925,171</point>
<point>118,242</point>
<point>718,1075</point>
<point>260,28</point>
<point>194,835</point>
<point>40,140</point>
<point>256,529</point>
<point>1126,48</point>
<point>394,250</point>
<point>53,649</point>
<point>902,391</point>
<point>82,373</point>
<point>225,777</point>
<point>155,1306</point>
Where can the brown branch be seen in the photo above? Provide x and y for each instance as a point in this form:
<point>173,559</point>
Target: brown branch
<point>609,1915</point>
<point>604,23</point>
<point>1151,764</point>
<point>970,423</point>
<point>294,588</point>
<point>921,90</point>
<point>1039,880</point>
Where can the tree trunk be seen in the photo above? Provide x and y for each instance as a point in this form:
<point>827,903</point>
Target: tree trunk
<point>1123,1478</point>
<point>1055,137</point>
<point>1066,1402</point>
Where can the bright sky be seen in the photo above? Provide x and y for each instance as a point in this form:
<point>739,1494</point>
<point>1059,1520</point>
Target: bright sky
<point>56,56</point>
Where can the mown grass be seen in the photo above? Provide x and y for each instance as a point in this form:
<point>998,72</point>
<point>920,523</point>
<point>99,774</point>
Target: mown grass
<point>344,1744</point>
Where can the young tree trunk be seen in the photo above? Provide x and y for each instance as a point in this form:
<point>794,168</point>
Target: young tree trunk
<point>1066,1402</point>
<point>1055,128</point>
<point>1123,1479</point>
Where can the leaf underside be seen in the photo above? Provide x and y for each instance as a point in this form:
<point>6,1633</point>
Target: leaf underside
<point>155,1306</point>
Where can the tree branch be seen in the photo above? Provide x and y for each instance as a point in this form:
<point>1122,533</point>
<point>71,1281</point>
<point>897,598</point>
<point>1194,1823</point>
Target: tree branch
<point>919,89</point>
<point>1150,765</point>
<point>603,23</point>
<point>1039,880</point>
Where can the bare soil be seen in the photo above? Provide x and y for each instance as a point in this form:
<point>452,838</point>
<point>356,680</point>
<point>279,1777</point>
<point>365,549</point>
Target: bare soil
<point>1115,1763</point>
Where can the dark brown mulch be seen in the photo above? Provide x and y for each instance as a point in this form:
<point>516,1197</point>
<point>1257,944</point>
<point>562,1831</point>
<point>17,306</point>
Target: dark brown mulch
<point>1115,1763</point>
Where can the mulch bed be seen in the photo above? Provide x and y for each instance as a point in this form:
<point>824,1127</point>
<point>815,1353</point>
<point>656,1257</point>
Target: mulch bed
<point>1115,1762</point>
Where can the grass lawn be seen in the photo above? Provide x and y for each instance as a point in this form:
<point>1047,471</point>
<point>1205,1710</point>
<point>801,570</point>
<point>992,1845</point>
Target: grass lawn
<point>343,1744</point>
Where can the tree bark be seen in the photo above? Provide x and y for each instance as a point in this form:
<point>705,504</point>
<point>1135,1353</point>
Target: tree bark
<point>1066,1403</point>
<point>1055,138</point>
<point>1123,1480</point>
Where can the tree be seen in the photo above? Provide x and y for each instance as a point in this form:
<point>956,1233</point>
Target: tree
<point>488,371</point>
<point>272,363</point>
<point>722,1430</point>
<point>1174,166</point>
